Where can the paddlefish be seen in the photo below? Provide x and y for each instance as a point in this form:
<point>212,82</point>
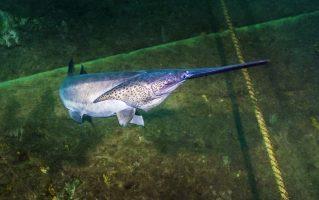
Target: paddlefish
<point>88,96</point>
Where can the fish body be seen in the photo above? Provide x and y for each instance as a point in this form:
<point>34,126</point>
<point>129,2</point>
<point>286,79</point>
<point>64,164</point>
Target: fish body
<point>122,93</point>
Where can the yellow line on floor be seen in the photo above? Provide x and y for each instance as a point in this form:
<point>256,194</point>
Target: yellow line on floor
<point>260,119</point>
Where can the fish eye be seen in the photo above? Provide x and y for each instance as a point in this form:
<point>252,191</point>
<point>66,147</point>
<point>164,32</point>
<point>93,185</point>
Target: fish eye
<point>184,75</point>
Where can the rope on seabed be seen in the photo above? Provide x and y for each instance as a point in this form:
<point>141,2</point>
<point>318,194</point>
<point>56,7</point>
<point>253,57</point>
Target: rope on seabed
<point>260,119</point>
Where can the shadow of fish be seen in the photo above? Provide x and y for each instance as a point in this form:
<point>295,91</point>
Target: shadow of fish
<point>122,93</point>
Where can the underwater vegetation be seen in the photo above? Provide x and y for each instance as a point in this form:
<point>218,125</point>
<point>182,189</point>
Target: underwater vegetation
<point>202,143</point>
<point>8,34</point>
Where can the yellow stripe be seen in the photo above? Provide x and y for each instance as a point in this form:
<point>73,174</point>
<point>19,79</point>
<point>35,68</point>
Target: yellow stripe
<point>260,119</point>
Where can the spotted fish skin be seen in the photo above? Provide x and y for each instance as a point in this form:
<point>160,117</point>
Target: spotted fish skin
<point>122,93</point>
<point>134,94</point>
<point>145,88</point>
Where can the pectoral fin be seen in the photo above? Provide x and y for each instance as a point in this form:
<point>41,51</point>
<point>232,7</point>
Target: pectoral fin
<point>76,116</point>
<point>138,120</point>
<point>125,116</point>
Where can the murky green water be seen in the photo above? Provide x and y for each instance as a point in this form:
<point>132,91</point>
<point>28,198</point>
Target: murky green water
<point>203,142</point>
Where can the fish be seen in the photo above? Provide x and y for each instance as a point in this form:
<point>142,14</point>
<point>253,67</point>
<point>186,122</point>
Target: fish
<point>122,94</point>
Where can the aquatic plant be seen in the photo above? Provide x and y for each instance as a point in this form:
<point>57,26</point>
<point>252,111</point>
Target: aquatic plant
<point>314,122</point>
<point>70,188</point>
<point>8,35</point>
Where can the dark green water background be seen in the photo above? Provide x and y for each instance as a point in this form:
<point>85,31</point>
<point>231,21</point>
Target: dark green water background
<point>202,143</point>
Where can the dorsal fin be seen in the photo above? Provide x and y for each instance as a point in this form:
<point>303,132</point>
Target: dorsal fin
<point>82,70</point>
<point>71,68</point>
